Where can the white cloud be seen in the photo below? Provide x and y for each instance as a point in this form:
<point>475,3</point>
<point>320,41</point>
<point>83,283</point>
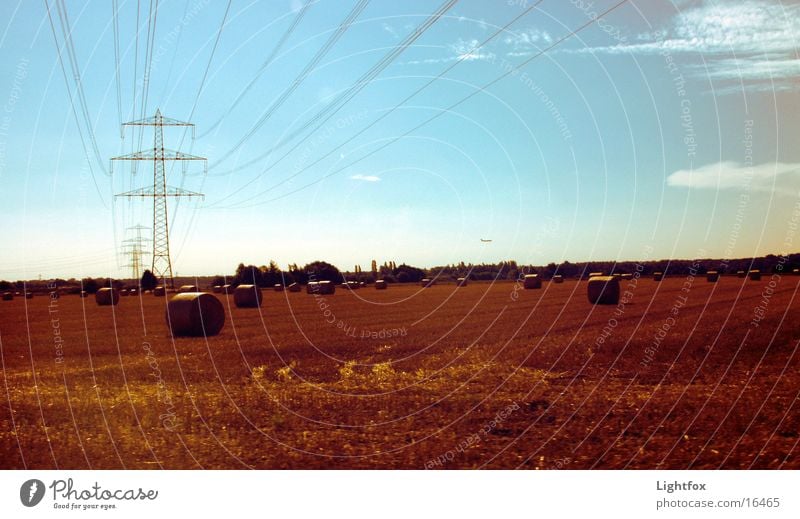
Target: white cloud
<point>755,42</point>
<point>527,39</point>
<point>388,28</point>
<point>466,50</point>
<point>366,178</point>
<point>460,50</point>
<point>733,175</point>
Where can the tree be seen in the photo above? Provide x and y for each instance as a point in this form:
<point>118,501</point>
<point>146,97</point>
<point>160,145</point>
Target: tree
<point>322,271</point>
<point>148,281</point>
<point>406,273</point>
<point>248,275</point>
<point>89,285</point>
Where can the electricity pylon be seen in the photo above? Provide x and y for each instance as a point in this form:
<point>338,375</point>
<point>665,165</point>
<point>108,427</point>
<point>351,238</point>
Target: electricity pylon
<point>135,251</point>
<point>162,265</point>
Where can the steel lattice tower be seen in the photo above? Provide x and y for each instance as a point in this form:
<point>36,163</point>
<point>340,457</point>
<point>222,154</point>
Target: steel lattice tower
<point>162,265</point>
<point>135,250</point>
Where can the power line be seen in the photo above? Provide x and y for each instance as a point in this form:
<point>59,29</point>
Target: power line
<point>175,51</point>
<point>210,59</point>
<point>310,66</point>
<point>281,42</point>
<point>197,98</point>
<point>76,74</point>
<point>386,114</point>
<point>72,104</point>
<point>346,95</point>
<point>379,119</point>
<point>115,10</point>
<point>437,115</point>
<point>152,18</point>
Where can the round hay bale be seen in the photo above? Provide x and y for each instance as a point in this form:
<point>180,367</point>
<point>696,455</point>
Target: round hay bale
<point>603,290</point>
<point>123,292</point>
<point>247,296</point>
<point>187,288</point>
<point>159,292</point>
<point>658,276</point>
<point>353,285</point>
<point>741,274</point>
<point>626,277</point>
<point>84,293</point>
<point>427,282</point>
<point>312,287</point>
<point>195,314</point>
<point>28,295</point>
<point>755,275</point>
<point>594,274</point>
<point>106,297</point>
<point>796,272</point>
<point>277,287</point>
<point>712,276</point>
<point>381,284</point>
<point>8,296</point>
<point>326,287</point>
<point>217,289</point>
<point>295,287</point>
<point>226,289</point>
<point>531,281</point>
<point>461,282</point>
<point>558,278</point>
<point>133,292</point>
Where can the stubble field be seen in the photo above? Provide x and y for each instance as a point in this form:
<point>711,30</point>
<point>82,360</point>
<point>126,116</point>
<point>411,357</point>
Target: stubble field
<point>683,374</point>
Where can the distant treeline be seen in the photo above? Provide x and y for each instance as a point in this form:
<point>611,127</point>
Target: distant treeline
<point>272,274</point>
<point>505,270</point>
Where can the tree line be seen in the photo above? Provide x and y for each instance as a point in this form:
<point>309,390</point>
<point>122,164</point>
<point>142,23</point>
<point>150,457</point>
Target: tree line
<point>271,274</point>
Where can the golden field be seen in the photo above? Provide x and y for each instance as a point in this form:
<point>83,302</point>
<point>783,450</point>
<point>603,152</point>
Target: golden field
<point>482,376</point>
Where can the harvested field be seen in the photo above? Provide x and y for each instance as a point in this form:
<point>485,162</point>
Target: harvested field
<point>485,376</point>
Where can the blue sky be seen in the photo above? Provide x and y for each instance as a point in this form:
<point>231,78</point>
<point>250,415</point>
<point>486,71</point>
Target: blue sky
<point>669,129</point>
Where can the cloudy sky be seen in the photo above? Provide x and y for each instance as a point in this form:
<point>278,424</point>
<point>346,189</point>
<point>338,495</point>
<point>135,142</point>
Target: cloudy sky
<point>662,129</point>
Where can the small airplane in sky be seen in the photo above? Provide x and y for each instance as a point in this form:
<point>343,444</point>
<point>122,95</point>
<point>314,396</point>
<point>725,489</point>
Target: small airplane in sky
<point>485,241</point>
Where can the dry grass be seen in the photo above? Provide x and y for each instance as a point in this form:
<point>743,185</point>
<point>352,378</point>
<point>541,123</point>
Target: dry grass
<point>403,377</point>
